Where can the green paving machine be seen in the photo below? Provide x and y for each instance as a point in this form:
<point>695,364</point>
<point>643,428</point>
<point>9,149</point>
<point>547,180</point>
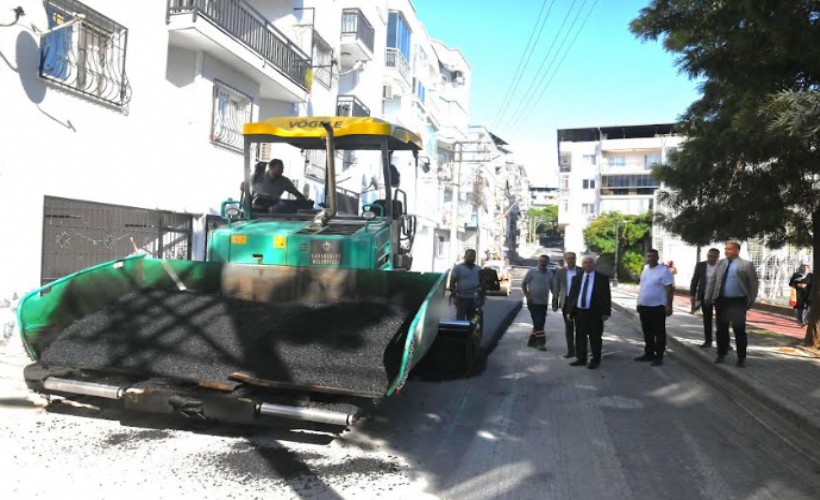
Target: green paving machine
<point>301,312</point>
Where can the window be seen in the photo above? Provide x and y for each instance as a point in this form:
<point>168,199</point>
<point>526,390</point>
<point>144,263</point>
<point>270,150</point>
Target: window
<point>398,34</point>
<point>588,208</point>
<point>87,57</point>
<point>232,109</point>
<point>650,160</point>
<point>590,159</point>
<point>616,161</point>
<point>565,183</point>
<point>589,183</point>
<point>565,206</point>
<point>322,61</point>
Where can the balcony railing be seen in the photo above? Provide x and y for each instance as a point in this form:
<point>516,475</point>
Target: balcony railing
<point>395,59</point>
<point>348,105</point>
<point>354,22</point>
<point>632,164</point>
<point>241,21</point>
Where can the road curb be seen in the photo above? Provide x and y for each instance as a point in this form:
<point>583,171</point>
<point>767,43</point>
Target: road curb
<point>730,380</point>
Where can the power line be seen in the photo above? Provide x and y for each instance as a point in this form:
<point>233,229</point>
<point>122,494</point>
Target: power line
<point>539,72</point>
<point>527,54</point>
<point>529,109</point>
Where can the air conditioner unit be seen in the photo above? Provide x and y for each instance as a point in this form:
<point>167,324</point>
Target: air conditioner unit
<point>265,152</point>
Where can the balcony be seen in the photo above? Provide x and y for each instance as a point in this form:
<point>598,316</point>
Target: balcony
<point>358,38</point>
<point>348,105</point>
<point>395,61</point>
<point>238,35</point>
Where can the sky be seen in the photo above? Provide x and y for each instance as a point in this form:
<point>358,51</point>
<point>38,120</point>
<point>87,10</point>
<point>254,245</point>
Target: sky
<point>608,77</point>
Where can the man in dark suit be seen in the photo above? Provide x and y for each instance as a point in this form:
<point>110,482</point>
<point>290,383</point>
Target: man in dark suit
<point>733,291</point>
<point>704,271</point>
<point>590,304</point>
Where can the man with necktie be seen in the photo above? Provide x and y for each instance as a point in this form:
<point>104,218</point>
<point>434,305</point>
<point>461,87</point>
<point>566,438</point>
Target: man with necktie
<point>560,290</point>
<point>733,291</point>
<point>589,304</point>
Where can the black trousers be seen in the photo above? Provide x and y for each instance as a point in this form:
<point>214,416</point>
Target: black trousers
<point>538,313</point>
<point>707,321</point>
<point>588,325</point>
<point>731,311</point>
<point>653,324</point>
<point>569,332</point>
<point>465,308</point>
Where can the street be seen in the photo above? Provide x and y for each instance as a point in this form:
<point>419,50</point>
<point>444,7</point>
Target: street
<point>529,426</point>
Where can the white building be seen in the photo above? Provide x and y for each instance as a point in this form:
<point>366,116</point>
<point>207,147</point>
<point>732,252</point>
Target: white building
<point>604,169</point>
<point>123,132</point>
<point>541,196</point>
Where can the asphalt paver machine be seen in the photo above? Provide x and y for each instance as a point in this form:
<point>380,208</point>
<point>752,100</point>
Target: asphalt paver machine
<point>300,312</point>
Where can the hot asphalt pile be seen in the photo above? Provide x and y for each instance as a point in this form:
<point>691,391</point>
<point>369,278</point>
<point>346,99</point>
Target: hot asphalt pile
<point>191,336</point>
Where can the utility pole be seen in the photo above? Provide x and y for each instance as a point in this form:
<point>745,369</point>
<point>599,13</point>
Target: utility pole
<point>456,183</point>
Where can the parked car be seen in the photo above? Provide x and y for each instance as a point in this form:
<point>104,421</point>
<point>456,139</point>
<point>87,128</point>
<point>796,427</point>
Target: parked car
<point>504,273</point>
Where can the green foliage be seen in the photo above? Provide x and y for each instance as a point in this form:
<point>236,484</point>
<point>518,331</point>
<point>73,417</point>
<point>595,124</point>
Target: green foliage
<point>632,230</point>
<point>599,235</point>
<point>543,221</point>
<point>751,163</point>
<point>632,263</point>
<point>743,172</point>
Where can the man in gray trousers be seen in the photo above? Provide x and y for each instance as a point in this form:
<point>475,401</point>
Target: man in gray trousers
<point>733,291</point>
<point>560,289</point>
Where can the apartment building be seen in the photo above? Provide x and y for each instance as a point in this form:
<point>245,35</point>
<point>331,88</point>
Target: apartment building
<point>604,169</point>
<point>542,196</point>
<point>124,130</point>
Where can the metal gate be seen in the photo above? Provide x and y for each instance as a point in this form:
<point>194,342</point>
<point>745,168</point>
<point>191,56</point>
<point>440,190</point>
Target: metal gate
<point>79,234</point>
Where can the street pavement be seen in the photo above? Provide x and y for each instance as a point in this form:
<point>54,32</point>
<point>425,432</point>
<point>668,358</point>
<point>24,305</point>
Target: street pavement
<point>528,426</point>
<point>778,374</point>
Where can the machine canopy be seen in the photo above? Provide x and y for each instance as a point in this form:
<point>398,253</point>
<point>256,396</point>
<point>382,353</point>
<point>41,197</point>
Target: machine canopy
<point>354,133</point>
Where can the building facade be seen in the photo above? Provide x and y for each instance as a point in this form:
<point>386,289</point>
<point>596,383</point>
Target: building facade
<point>604,169</point>
<point>127,120</point>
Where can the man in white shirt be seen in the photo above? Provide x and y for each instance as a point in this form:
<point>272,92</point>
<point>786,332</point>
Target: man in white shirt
<point>654,305</point>
<point>704,273</point>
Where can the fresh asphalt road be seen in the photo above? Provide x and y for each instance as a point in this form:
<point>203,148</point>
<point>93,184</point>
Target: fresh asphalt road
<point>529,426</point>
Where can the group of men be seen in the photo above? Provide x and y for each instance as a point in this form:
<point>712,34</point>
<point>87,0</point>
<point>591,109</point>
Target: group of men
<point>727,287</point>
<point>582,295</point>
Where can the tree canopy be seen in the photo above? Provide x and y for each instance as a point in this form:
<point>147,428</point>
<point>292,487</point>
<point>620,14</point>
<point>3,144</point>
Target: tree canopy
<point>746,169</point>
<point>631,230</point>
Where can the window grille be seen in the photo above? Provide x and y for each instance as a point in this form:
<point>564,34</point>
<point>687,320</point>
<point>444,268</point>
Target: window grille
<point>232,109</point>
<point>322,61</point>
<point>87,57</point>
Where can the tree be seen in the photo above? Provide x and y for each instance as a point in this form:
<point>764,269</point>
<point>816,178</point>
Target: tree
<point>543,220</point>
<point>743,171</point>
<point>632,230</point>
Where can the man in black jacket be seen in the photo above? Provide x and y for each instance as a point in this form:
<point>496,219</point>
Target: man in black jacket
<point>590,304</point>
<point>704,271</point>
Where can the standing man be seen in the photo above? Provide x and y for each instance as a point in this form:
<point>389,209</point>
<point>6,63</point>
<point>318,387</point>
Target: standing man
<point>654,305</point>
<point>704,273</point>
<point>733,292</point>
<point>536,286</point>
<point>561,286</point>
<point>589,304</point>
<point>464,281</point>
<point>801,281</point>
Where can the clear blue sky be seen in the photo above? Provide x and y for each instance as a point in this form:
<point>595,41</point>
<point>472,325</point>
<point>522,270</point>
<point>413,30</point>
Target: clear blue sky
<point>608,78</point>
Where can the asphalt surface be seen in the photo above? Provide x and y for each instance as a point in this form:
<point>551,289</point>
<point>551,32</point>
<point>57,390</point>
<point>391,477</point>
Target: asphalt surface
<point>192,336</point>
<point>528,426</point>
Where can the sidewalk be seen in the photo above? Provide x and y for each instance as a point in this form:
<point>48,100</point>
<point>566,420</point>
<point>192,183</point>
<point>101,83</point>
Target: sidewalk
<point>778,374</point>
